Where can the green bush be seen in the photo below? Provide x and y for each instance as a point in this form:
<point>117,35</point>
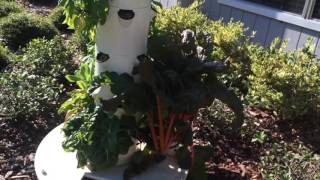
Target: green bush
<point>80,43</point>
<point>57,18</point>
<point>287,83</point>
<point>47,58</point>
<point>229,39</point>
<point>7,7</point>
<point>4,57</point>
<point>17,30</point>
<point>25,96</point>
<point>33,87</point>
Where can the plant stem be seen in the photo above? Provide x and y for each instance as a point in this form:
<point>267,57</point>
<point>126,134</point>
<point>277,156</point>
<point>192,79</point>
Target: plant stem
<point>172,118</point>
<point>161,132</point>
<point>153,132</point>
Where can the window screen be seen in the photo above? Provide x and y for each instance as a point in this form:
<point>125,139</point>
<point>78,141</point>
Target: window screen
<point>316,12</point>
<point>294,6</point>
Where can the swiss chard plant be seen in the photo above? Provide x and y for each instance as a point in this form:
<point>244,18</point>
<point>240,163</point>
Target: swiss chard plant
<point>173,86</point>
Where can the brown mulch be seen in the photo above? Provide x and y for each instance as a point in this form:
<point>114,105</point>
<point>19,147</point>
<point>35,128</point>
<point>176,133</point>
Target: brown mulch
<point>236,157</point>
<point>19,140</point>
<point>43,9</point>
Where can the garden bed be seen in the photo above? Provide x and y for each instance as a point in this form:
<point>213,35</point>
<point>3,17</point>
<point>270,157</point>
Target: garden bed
<point>266,146</point>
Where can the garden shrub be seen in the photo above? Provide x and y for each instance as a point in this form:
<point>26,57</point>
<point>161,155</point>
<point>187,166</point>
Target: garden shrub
<point>287,83</point>
<point>4,57</point>
<point>34,86</point>
<point>7,7</point>
<point>25,96</point>
<point>57,18</point>
<point>17,30</point>
<point>229,39</point>
<point>48,58</point>
<point>80,42</point>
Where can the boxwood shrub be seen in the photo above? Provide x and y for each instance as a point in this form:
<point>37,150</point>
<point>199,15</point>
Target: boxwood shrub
<point>7,7</point>
<point>286,83</point>
<point>33,87</point>
<point>4,57</point>
<point>48,58</point>
<point>19,29</point>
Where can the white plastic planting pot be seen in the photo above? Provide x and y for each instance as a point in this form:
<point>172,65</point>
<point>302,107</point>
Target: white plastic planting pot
<point>124,35</point>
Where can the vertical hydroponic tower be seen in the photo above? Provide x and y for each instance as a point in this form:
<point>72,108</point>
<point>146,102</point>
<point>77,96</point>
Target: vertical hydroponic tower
<point>122,38</point>
<point>124,35</point>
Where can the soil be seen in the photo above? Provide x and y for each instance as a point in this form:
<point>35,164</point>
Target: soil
<point>42,9</point>
<point>235,156</point>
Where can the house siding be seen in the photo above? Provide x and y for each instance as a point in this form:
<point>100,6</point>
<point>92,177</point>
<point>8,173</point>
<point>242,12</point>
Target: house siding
<point>266,28</point>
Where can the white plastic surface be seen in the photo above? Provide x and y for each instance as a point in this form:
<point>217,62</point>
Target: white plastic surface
<point>123,40</point>
<point>124,37</point>
<point>130,4</point>
<point>53,163</point>
<point>118,63</point>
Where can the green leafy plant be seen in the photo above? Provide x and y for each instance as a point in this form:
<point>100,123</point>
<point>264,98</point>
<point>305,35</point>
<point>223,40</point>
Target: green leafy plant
<point>287,83</point>
<point>80,98</point>
<point>16,31</point>
<point>229,40</point>
<point>98,137</point>
<point>259,137</point>
<point>8,7</point>
<point>174,85</point>
<point>176,79</point>
<point>84,16</point>
<point>57,18</point>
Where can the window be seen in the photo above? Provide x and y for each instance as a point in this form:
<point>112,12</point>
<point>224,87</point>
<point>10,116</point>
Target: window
<point>309,18</point>
<point>294,6</point>
<point>306,8</point>
<point>316,12</point>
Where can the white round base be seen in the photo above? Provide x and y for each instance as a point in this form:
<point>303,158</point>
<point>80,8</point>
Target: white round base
<point>52,163</point>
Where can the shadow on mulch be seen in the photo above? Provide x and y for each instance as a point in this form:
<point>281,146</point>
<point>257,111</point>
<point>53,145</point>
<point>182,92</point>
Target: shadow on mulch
<point>235,156</point>
<point>49,3</point>
<point>305,129</point>
<point>223,174</point>
<point>19,140</point>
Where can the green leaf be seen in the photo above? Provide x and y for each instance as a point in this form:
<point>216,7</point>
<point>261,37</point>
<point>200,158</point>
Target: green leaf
<point>82,85</point>
<point>72,78</point>
<point>120,83</point>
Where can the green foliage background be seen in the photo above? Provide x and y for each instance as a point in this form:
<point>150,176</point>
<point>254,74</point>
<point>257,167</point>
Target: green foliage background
<point>34,85</point>
<point>287,83</point>
<point>19,29</point>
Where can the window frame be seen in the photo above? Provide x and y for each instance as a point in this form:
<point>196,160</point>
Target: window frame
<point>303,20</point>
<point>308,9</point>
